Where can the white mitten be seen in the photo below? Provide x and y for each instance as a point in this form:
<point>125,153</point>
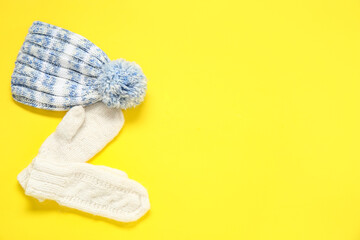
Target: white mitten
<point>81,134</point>
<point>89,188</point>
<point>58,172</point>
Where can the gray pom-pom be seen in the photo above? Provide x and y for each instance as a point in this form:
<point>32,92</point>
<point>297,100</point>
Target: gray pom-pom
<point>122,84</point>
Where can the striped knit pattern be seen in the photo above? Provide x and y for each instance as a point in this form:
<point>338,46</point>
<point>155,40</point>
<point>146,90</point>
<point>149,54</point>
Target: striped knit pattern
<point>57,69</point>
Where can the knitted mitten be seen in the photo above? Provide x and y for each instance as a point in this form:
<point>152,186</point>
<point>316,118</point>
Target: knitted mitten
<point>89,188</point>
<point>81,134</point>
<point>58,172</point>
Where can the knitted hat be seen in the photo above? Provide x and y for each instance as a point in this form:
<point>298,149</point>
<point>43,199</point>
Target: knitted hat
<point>57,69</point>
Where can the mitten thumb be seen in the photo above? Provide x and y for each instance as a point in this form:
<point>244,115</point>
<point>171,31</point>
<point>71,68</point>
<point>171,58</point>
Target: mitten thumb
<point>71,123</point>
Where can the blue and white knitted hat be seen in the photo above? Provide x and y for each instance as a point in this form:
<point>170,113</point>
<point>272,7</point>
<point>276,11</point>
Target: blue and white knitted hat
<point>57,69</point>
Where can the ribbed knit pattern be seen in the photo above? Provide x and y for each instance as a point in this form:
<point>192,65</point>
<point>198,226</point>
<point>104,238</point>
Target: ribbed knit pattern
<point>57,69</point>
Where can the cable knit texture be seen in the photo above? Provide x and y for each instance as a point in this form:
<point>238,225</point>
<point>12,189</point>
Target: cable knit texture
<point>57,69</point>
<point>59,173</point>
<point>88,188</point>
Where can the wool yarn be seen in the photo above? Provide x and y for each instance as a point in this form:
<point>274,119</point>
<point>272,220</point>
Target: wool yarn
<point>57,69</point>
<point>59,171</point>
<point>60,70</point>
<point>88,188</point>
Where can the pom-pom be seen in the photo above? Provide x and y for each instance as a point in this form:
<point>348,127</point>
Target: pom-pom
<point>122,84</point>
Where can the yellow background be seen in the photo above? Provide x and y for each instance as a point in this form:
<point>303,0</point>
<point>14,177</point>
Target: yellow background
<point>249,130</point>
